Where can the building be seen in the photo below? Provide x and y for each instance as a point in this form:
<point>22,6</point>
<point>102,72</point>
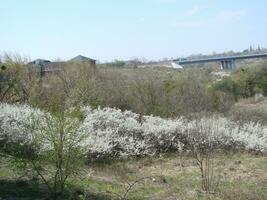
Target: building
<point>81,58</point>
<point>47,67</point>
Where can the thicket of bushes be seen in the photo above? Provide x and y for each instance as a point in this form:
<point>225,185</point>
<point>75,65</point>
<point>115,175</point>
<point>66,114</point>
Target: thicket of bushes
<point>116,133</point>
<point>245,82</point>
<point>162,92</point>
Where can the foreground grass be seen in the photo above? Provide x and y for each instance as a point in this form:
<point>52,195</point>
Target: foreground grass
<point>239,176</point>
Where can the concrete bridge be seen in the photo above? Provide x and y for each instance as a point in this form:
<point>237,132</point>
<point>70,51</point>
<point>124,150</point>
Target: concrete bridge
<point>227,63</point>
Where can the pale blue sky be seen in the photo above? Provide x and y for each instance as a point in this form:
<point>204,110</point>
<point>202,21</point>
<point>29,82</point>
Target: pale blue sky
<point>124,29</point>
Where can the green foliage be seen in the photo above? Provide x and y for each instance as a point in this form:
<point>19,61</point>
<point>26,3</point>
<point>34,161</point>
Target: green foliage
<point>261,83</point>
<point>245,82</point>
<point>21,189</point>
<point>116,63</point>
<point>227,85</point>
<point>119,63</point>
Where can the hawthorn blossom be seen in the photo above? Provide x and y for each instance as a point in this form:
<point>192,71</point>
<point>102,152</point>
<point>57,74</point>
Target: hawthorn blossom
<point>113,132</point>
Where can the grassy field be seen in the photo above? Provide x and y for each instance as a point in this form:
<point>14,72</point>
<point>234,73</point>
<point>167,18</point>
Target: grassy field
<point>237,177</point>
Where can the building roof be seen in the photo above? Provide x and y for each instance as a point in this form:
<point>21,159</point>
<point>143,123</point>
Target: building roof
<point>81,58</point>
<point>39,62</point>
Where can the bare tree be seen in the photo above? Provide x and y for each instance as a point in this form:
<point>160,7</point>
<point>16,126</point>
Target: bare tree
<point>203,146</point>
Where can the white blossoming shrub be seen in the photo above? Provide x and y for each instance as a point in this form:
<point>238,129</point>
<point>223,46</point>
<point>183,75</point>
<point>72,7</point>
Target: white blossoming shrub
<point>251,135</point>
<point>15,123</point>
<point>112,132</point>
<point>26,129</point>
<point>163,134</point>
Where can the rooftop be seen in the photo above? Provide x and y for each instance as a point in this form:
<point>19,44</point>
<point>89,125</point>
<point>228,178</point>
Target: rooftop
<point>81,58</point>
<point>39,62</point>
<point>78,58</point>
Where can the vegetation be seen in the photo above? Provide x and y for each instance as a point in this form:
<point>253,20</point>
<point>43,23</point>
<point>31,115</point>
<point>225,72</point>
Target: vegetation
<point>47,145</point>
<point>240,176</point>
<point>245,82</point>
<point>104,132</point>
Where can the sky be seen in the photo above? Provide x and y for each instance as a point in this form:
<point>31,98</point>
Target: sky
<point>125,29</point>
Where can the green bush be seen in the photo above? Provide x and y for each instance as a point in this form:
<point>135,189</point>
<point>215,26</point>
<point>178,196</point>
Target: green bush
<point>262,83</point>
<point>227,85</point>
<point>245,82</point>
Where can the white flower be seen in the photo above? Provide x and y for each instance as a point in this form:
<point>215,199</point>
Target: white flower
<point>114,132</point>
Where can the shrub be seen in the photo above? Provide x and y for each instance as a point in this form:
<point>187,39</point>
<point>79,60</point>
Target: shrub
<point>245,82</point>
<point>226,85</point>
<point>17,82</point>
<point>49,145</point>
<point>15,121</point>
<point>112,132</point>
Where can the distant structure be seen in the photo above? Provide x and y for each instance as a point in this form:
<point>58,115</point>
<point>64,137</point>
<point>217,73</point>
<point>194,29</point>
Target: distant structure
<point>44,67</point>
<point>81,58</point>
<point>176,66</point>
<point>47,67</point>
<point>227,63</point>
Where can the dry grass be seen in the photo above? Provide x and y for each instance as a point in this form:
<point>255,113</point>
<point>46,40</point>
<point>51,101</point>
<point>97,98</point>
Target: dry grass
<point>242,176</point>
<point>175,178</point>
<point>250,110</point>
